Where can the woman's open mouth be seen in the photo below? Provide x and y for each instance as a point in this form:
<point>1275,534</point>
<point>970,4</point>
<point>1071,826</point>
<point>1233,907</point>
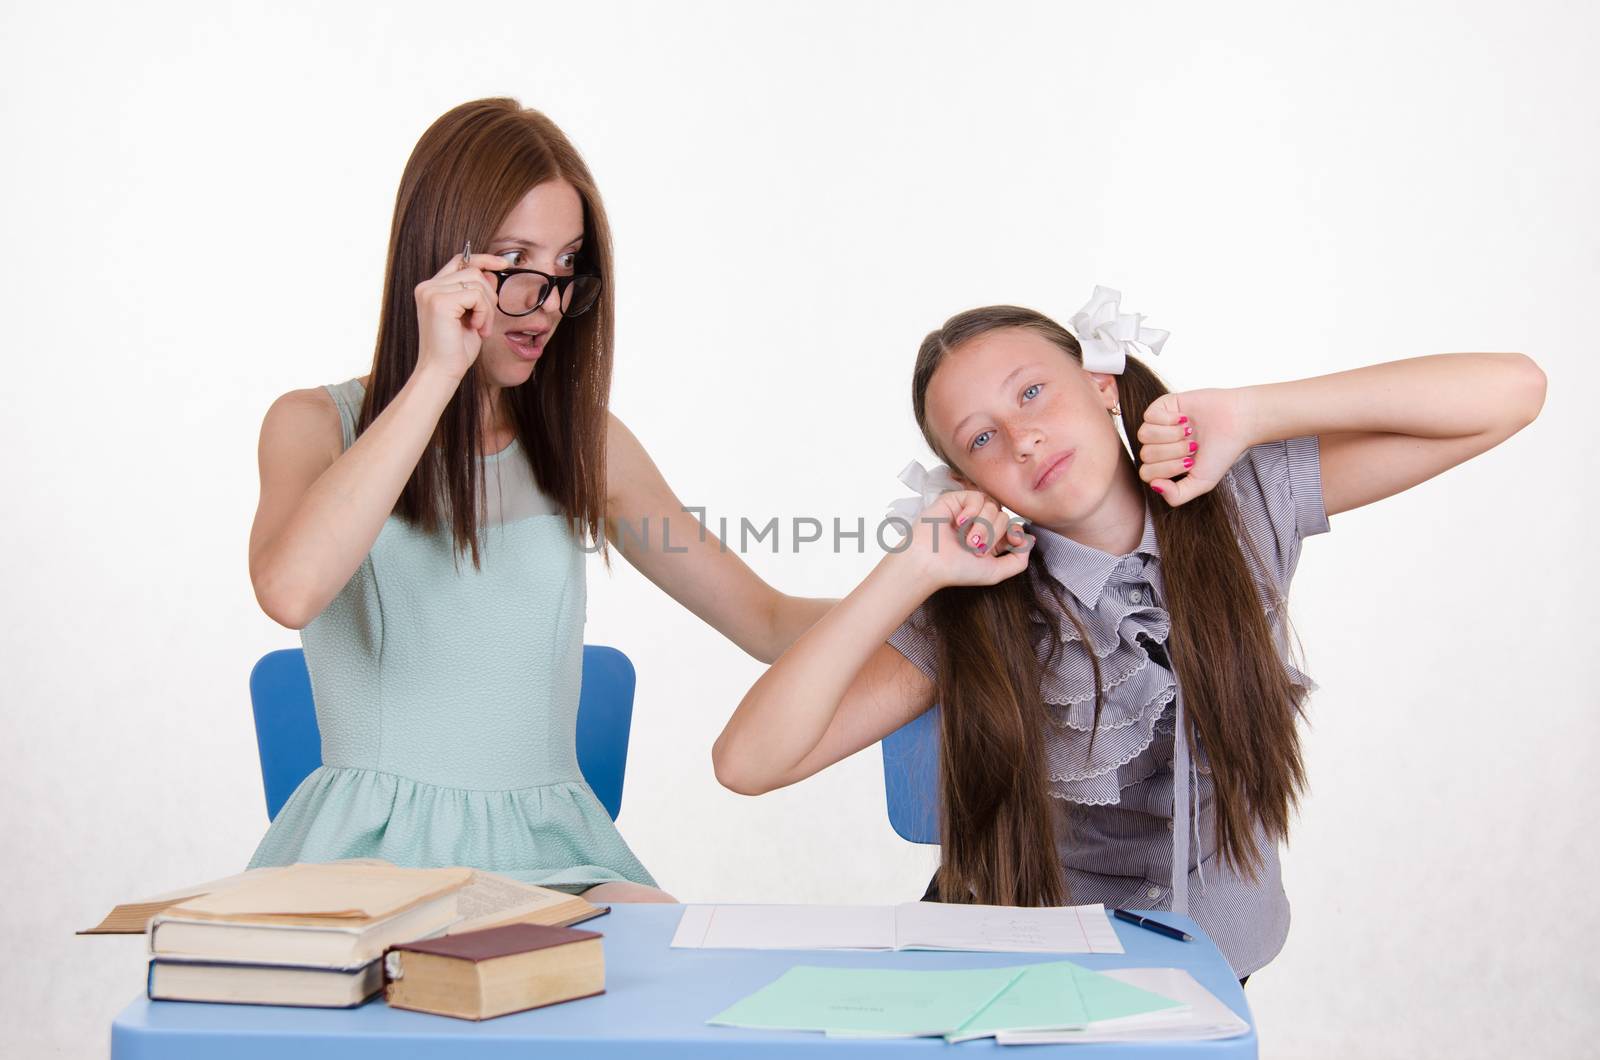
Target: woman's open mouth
<point>526,344</point>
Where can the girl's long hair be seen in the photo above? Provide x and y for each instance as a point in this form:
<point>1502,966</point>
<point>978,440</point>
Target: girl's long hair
<point>997,831</point>
<point>466,173</point>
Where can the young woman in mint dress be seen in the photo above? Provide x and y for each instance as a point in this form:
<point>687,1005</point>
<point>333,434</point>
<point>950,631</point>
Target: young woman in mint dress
<point>425,526</point>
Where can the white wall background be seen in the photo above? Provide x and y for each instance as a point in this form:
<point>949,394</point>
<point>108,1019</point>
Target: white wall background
<point>196,203</point>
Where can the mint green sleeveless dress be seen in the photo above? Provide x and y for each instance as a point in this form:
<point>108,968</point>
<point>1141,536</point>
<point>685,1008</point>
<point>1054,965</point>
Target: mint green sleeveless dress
<point>447,698</point>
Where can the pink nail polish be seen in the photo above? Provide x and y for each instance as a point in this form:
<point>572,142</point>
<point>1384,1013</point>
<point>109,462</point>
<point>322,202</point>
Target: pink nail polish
<point>1183,419</point>
<point>1158,489</point>
<point>1194,446</point>
<point>963,520</point>
<point>976,540</point>
<point>1188,431</point>
<point>1188,461</point>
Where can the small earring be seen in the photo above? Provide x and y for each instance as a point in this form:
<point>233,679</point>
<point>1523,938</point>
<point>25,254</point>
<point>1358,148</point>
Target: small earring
<point>1116,410</point>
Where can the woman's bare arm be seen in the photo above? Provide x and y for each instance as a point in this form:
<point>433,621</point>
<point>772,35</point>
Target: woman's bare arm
<point>670,546</point>
<point>321,510</point>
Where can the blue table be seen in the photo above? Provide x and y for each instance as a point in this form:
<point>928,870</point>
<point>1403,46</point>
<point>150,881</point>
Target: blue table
<point>656,1003</point>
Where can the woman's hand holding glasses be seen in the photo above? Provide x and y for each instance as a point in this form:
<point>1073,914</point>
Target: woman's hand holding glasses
<point>455,312</point>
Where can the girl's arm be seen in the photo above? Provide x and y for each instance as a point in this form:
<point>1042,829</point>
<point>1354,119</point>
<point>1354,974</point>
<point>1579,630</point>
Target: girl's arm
<point>688,562</point>
<point>837,689</point>
<point>840,687</point>
<point>1383,428</point>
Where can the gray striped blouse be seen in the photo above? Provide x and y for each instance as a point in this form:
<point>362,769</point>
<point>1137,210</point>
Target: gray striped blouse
<point>1117,837</point>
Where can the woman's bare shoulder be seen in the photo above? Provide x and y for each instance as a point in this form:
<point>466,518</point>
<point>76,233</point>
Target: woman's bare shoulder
<point>308,403</point>
<point>305,420</point>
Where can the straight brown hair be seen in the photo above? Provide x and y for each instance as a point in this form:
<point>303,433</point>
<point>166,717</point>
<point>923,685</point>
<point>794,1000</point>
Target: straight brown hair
<point>466,173</point>
<point>997,836</point>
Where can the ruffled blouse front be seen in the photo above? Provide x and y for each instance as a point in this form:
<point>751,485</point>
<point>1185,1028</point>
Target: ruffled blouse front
<point>1120,613</point>
<point>1119,601</point>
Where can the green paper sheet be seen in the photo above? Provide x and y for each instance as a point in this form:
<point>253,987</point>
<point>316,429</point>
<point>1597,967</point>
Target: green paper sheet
<point>1106,998</point>
<point>1059,995</point>
<point>868,1000</point>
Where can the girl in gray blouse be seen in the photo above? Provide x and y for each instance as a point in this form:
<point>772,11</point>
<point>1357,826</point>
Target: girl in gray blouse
<point>1118,701</point>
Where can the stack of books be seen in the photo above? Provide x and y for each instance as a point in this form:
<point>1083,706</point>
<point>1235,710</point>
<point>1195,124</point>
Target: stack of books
<point>315,934</point>
<point>310,935</point>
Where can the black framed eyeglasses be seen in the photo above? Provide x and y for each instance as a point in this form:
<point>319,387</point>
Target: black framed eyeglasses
<point>520,291</point>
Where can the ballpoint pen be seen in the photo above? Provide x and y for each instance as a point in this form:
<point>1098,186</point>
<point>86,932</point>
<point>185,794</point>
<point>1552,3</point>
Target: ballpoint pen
<point>1152,925</point>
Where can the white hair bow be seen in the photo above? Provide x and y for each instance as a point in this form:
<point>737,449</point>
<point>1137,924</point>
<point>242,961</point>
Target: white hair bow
<point>928,482</point>
<point>1108,336</point>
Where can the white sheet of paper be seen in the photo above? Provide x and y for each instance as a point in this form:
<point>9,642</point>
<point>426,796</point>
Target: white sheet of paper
<point>910,925</point>
<point>1208,1018</point>
<point>1005,929</point>
<point>786,927</point>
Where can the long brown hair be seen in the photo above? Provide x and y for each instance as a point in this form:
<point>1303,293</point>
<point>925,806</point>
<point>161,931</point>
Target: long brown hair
<point>996,827</point>
<point>466,173</point>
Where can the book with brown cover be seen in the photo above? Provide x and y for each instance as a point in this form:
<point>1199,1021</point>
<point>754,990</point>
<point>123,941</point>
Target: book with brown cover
<point>481,974</point>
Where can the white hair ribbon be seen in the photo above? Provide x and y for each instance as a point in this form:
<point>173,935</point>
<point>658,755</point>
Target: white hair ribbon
<point>1108,335</point>
<point>928,484</point>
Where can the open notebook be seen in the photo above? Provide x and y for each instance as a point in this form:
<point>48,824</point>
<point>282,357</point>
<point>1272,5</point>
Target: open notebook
<point>907,926</point>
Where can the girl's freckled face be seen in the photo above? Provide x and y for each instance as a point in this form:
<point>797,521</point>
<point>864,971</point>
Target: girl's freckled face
<point>1007,407</point>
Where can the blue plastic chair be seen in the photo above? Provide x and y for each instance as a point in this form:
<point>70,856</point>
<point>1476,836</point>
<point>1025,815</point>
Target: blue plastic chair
<point>291,746</point>
<point>911,778</point>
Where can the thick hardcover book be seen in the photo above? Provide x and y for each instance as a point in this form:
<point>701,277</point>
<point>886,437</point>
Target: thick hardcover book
<point>262,984</point>
<point>481,974</point>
